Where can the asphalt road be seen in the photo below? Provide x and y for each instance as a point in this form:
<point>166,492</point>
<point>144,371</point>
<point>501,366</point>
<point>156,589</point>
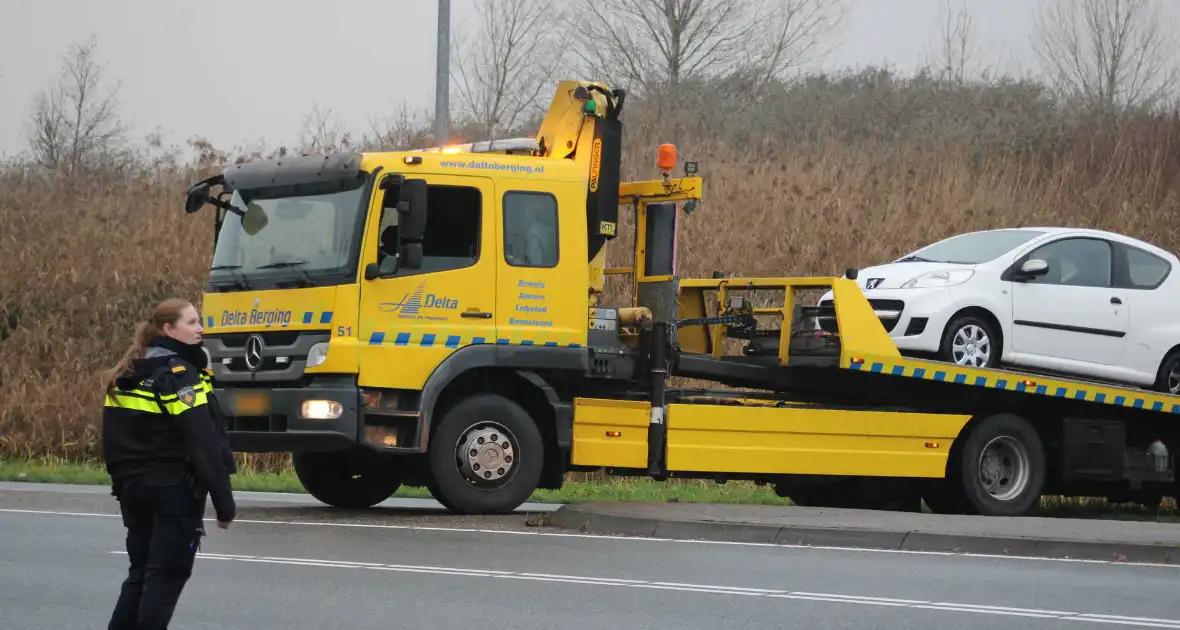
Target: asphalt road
<point>291,565</point>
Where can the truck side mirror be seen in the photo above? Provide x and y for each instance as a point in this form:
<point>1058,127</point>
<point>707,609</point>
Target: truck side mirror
<point>254,219</point>
<point>411,207</point>
<point>410,256</point>
<point>198,196</point>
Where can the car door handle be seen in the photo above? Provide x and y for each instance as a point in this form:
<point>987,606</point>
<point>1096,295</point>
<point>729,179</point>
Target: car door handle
<point>479,314</point>
<point>1115,300</point>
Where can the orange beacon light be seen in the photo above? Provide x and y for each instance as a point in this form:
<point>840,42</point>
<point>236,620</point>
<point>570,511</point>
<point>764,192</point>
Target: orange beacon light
<point>667,157</point>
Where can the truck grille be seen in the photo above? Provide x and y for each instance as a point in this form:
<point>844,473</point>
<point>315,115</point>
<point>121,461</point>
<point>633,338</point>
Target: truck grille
<point>283,355</point>
<point>269,337</point>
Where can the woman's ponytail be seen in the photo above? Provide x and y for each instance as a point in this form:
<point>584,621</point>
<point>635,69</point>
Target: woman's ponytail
<point>166,312</point>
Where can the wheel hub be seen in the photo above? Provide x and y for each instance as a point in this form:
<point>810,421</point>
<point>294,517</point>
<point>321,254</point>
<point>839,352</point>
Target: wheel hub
<point>971,346</point>
<point>486,453</point>
<point>1004,468</point>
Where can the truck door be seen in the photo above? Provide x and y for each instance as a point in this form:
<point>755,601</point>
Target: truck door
<point>410,320</point>
<point>542,284</point>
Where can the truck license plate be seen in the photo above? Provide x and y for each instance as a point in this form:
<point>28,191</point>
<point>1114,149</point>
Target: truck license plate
<point>251,404</point>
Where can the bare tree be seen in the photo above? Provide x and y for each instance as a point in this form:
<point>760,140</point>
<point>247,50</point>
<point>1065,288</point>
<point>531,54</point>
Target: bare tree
<point>321,132</point>
<point>503,66</point>
<point>74,122</point>
<point>403,129</point>
<point>1109,52</point>
<point>955,49</point>
<point>646,44</point>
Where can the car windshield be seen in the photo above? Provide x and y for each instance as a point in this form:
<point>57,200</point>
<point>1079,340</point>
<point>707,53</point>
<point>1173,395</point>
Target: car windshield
<point>974,248</point>
<point>312,230</point>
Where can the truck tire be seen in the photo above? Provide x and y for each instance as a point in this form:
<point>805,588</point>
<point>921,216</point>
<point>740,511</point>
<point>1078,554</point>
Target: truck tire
<point>945,496</point>
<point>485,456</point>
<point>1002,466</point>
<point>347,479</point>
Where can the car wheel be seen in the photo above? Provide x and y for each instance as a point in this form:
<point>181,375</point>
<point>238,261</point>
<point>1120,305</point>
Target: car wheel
<point>1168,380</point>
<point>970,341</point>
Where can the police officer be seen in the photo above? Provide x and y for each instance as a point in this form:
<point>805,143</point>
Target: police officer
<point>165,452</point>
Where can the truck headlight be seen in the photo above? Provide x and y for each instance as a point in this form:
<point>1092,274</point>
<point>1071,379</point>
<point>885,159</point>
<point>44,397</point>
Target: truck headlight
<point>321,410</point>
<point>938,279</point>
<point>317,355</point>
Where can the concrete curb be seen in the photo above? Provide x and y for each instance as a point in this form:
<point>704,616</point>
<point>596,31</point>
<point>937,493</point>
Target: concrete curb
<point>586,519</point>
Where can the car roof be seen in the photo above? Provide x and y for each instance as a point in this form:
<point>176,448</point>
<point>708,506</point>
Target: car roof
<point>1115,236</point>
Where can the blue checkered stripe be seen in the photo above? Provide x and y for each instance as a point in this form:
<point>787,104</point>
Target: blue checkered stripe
<point>1095,394</point>
<point>446,340</point>
<point>309,317</point>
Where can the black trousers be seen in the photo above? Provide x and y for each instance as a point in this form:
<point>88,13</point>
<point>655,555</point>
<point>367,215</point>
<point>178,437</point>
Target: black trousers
<point>165,522</point>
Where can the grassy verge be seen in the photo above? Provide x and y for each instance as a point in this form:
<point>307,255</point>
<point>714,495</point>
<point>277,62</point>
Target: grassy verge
<point>609,489</point>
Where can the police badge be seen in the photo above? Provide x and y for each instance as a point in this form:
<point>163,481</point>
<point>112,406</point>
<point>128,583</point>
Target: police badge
<point>187,395</point>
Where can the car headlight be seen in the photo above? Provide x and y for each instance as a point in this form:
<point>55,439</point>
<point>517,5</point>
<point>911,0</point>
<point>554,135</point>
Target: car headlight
<point>317,355</point>
<point>936,279</point>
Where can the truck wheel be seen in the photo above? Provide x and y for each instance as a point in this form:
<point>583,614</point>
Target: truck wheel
<point>347,479</point>
<point>945,496</point>
<point>485,456</point>
<point>1002,466</point>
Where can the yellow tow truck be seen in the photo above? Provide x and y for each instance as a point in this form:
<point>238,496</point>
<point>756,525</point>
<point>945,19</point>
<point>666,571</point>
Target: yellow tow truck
<point>436,317</point>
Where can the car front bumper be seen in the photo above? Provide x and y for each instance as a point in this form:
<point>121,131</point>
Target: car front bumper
<point>914,318</point>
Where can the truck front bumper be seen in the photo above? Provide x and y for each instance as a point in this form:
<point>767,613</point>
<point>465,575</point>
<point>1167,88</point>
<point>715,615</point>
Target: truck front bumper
<point>268,420</point>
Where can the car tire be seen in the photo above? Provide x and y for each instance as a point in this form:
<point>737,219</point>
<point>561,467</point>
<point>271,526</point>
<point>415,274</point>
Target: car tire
<point>976,331</point>
<point>1168,379</point>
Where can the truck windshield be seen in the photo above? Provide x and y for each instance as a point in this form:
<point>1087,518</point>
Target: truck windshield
<point>306,231</point>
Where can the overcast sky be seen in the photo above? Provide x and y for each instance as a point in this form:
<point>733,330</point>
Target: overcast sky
<point>238,71</point>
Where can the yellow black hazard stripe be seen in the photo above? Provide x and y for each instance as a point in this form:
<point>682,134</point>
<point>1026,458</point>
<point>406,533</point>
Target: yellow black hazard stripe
<point>1017,382</point>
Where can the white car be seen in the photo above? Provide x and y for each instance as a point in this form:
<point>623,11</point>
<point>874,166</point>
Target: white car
<point>1079,302</point>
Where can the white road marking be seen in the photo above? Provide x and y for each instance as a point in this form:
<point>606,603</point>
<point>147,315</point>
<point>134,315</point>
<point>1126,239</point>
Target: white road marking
<point>838,598</point>
<point>509,532</point>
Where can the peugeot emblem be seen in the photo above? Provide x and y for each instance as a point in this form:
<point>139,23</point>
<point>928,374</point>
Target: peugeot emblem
<point>873,283</point>
<point>254,352</point>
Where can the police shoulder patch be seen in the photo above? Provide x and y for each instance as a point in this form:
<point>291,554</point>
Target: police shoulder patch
<point>187,395</point>
<point>177,368</point>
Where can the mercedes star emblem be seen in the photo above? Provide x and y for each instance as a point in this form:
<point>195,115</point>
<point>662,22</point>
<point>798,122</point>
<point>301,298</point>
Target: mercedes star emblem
<point>254,352</point>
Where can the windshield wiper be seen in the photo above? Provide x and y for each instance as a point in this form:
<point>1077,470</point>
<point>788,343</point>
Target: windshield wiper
<point>239,277</point>
<point>297,265</point>
<point>914,258</point>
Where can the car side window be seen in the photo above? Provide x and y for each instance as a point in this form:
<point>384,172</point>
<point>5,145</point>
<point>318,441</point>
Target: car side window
<point>1076,262</point>
<point>1144,270</point>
